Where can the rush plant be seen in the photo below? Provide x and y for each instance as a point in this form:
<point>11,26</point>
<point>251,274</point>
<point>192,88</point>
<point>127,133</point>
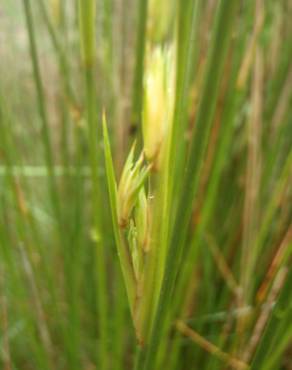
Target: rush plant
<point>145,172</point>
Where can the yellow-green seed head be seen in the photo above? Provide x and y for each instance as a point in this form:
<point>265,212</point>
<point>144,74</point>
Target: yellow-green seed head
<point>158,98</point>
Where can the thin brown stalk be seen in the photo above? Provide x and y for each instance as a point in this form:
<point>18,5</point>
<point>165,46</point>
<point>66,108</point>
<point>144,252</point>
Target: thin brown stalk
<point>251,48</point>
<point>217,126</point>
<point>210,347</point>
<point>264,315</point>
<point>275,44</point>
<point>284,101</point>
<point>275,265</point>
<point>253,168</point>
<point>222,266</point>
<point>190,302</point>
<point>253,174</point>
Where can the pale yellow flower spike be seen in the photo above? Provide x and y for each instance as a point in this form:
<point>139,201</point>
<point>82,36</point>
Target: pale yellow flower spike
<point>157,102</point>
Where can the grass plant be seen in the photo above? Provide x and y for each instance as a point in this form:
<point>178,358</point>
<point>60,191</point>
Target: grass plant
<point>145,185</point>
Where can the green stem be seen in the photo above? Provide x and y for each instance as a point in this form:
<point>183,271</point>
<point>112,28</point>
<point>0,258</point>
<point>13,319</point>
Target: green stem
<point>139,67</point>
<point>42,109</point>
<point>220,42</point>
<point>87,16</point>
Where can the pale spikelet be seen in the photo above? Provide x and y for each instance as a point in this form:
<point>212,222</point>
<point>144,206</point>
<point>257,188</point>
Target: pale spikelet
<point>133,177</point>
<point>134,249</point>
<point>158,102</point>
<point>141,215</point>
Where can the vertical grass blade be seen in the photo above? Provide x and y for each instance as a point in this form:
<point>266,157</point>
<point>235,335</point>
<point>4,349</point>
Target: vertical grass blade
<point>125,262</point>
<point>139,63</point>
<point>42,107</point>
<point>220,41</point>
<point>87,26</point>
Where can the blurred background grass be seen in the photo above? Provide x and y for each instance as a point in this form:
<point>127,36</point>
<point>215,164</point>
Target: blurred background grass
<point>56,266</point>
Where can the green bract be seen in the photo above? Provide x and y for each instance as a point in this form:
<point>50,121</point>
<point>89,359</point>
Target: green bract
<point>133,178</point>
